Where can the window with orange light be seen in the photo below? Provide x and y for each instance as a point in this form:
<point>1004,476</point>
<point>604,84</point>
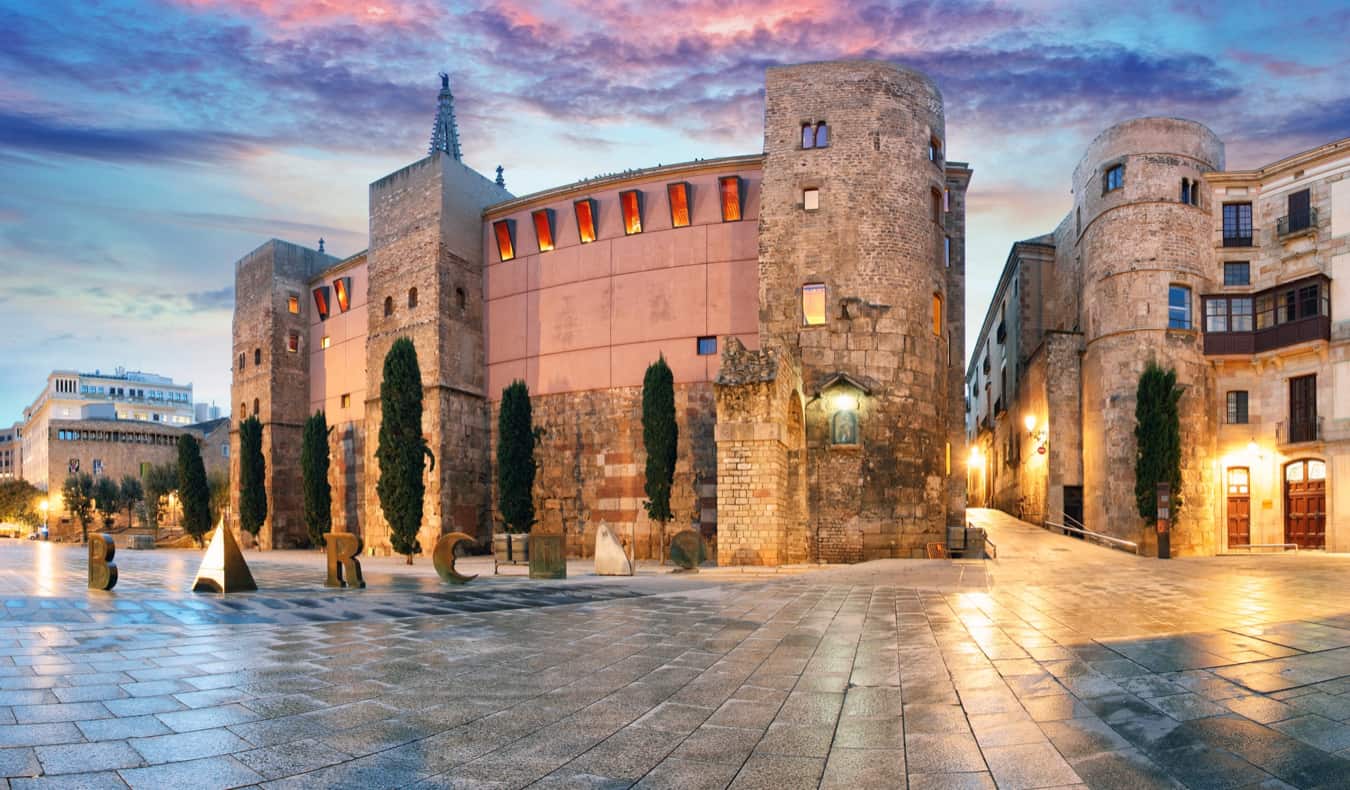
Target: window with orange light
<point>293,305</point>
<point>505,231</point>
<point>937,314</point>
<point>730,187</point>
<point>813,304</point>
<point>630,203</point>
<point>585,210</point>
<point>342,289</point>
<point>321,302</point>
<point>543,228</point>
<point>678,193</point>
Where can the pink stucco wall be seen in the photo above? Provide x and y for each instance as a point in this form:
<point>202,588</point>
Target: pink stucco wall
<point>594,316</point>
<point>339,369</point>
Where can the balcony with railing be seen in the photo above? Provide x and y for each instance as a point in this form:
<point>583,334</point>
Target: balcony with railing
<point>1286,315</point>
<point>1296,223</point>
<point>1299,431</point>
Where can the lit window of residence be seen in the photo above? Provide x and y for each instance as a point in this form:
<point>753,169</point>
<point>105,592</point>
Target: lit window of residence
<point>321,302</point>
<point>813,304</point>
<point>1237,273</point>
<point>1237,224</point>
<point>630,203</point>
<point>946,200</point>
<point>326,342</point>
<point>707,346</point>
<point>1237,407</point>
<point>293,304</point>
<point>345,400</point>
<point>342,288</point>
<point>585,211</point>
<point>1113,179</point>
<point>1178,307</point>
<point>293,342</point>
<point>678,195</point>
<point>937,314</point>
<point>505,232</point>
<point>811,199</point>
<point>543,228</point>
<point>730,188</point>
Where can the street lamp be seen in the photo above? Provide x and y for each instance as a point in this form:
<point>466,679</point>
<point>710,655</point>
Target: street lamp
<point>44,506</point>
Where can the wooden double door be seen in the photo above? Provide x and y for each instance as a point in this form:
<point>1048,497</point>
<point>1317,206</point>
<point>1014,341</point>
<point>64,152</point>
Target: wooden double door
<point>1305,503</point>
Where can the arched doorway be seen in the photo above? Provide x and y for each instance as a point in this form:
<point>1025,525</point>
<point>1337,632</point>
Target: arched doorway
<point>1305,503</point>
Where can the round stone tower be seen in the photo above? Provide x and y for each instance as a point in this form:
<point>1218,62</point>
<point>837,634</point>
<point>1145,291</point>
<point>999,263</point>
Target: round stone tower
<point>1144,245</point>
<point>853,204</point>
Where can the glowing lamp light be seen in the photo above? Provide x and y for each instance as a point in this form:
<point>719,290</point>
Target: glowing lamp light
<point>44,505</point>
<point>845,401</point>
<point>1252,449</point>
<point>1030,422</point>
<point>976,460</point>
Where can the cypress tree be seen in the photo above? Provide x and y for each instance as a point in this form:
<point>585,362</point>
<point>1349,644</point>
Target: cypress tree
<point>192,487</point>
<point>515,458</point>
<point>252,476</point>
<point>660,436</point>
<point>403,450</point>
<point>314,467</point>
<point>1158,438</point>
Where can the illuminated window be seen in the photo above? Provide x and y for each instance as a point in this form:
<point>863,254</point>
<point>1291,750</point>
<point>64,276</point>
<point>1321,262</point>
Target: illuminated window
<point>543,228</point>
<point>326,342</point>
<point>730,189</point>
<point>342,288</point>
<point>388,306</point>
<point>321,301</point>
<point>946,200</point>
<point>293,342</point>
<point>678,194</point>
<point>813,304</point>
<point>346,400</point>
<point>937,314</point>
<point>707,346</point>
<point>1114,178</point>
<point>505,231</point>
<point>412,297</point>
<point>585,210</point>
<point>811,199</point>
<point>630,203</point>
<point>293,305</point>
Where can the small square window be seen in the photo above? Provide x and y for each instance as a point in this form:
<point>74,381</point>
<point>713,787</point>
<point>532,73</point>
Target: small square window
<point>293,305</point>
<point>505,232</point>
<point>345,400</point>
<point>811,199</point>
<point>678,194</point>
<point>813,304</point>
<point>1237,273</point>
<point>707,346</point>
<point>630,203</point>
<point>1115,178</point>
<point>326,342</point>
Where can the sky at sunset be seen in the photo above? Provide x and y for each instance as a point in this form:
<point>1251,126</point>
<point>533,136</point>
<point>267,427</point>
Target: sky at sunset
<point>146,145</point>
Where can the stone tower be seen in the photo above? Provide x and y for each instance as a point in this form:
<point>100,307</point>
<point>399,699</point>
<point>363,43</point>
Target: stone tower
<point>863,211</point>
<point>271,377</point>
<point>1134,239</point>
<point>426,283</point>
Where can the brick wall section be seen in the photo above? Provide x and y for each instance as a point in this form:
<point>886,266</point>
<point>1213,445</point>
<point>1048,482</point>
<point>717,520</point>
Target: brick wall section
<point>883,268</point>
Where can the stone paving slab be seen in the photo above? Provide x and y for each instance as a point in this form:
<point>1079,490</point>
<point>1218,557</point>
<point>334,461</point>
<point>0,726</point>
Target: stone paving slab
<point>1059,665</point>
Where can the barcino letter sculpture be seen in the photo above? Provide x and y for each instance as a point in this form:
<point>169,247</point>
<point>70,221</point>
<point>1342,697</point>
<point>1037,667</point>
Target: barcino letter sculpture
<point>102,570</point>
<point>444,558</point>
<point>223,569</point>
<point>344,569</point>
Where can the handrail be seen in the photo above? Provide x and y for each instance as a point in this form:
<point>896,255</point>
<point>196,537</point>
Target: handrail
<point>1250,546</point>
<point>1118,543</point>
<point>1073,522</point>
<point>988,545</point>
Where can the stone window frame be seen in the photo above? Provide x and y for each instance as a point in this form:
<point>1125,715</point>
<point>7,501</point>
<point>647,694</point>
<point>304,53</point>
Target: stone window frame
<point>937,313</point>
<point>1118,167</point>
<point>1246,277</point>
<point>811,198</point>
<point>326,341</point>
<point>293,303</point>
<point>257,356</point>
<point>412,297</point>
<point>461,300</point>
<point>243,357</point>
<point>815,134</point>
<point>293,342</point>
<point>825,313</point>
<point>388,306</point>
<point>1189,323</point>
<point>345,400</point>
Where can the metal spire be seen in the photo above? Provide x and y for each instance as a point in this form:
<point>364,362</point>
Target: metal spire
<point>501,179</point>
<point>445,134</point>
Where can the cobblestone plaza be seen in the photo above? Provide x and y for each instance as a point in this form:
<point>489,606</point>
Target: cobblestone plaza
<point>1057,664</point>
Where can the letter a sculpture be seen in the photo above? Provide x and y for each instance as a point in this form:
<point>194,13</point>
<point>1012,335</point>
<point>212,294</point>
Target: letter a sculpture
<point>223,568</point>
<point>102,570</point>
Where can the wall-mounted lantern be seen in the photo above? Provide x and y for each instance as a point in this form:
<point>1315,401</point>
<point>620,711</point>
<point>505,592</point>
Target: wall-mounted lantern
<point>1035,432</point>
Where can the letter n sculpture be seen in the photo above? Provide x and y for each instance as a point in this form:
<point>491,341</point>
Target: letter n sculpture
<point>223,569</point>
<point>344,569</point>
<point>102,569</point>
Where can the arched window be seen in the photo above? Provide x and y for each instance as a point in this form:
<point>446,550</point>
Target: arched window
<point>255,407</point>
<point>257,356</point>
<point>822,135</point>
<point>241,360</point>
<point>412,297</point>
<point>243,411</point>
<point>388,306</point>
<point>808,136</point>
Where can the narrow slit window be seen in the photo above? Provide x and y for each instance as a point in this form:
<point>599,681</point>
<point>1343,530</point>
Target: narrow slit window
<point>412,297</point>
<point>241,360</point>
<point>937,314</point>
<point>947,251</point>
<point>505,231</point>
<point>630,203</point>
<point>342,289</point>
<point>822,135</point>
<point>808,136</point>
<point>730,187</point>
<point>813,304</point>
<point>934,149</point>
<point>321,302</point>
<point>293,342</point>
<point>543,228</point>
<point>937,205</point>
<point>678,195</point>
<point>257,356</point>
<point>293,305</point>
<point>388,306</point>
<point>585,210</point>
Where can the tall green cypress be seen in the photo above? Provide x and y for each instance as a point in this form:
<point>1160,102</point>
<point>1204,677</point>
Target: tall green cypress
<point>193,489</point>
<point>403,451</point>
<point>660,436</point>
<point>515,458</point>
<point>252,476</point>
<point>1158,438</point>
<point>314,468</point>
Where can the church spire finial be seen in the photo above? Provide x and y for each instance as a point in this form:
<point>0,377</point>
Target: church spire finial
<point>445,134</point>
<point>501,179</point>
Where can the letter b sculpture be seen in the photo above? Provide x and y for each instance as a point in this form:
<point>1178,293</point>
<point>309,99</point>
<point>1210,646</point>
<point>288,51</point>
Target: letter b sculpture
<point>102,570</point>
